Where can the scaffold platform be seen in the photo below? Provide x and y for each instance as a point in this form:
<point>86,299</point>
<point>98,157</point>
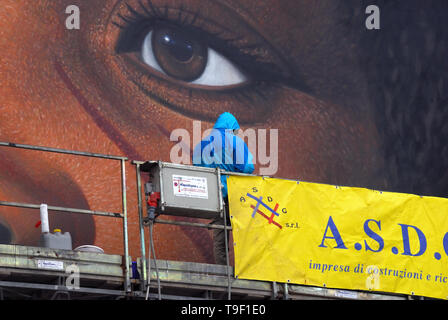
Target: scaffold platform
<point>41,273</point>
<point>38,273</point>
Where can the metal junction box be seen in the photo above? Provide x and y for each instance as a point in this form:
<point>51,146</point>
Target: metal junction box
<point>185,190</point>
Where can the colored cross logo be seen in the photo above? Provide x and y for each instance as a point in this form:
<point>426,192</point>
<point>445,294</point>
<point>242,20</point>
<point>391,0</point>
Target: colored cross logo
<point>257,210</point>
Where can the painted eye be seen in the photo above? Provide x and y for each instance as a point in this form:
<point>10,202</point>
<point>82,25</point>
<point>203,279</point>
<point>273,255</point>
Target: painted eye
<point>179,55</point>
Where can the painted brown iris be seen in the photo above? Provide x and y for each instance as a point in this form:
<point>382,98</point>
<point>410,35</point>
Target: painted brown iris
<point>178,53</point>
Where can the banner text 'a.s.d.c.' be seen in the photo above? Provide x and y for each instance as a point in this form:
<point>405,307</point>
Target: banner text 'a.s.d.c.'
<point>339,237</point>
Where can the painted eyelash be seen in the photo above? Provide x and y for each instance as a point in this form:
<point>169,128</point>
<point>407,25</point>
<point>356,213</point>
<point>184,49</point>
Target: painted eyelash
<point>152,13</point>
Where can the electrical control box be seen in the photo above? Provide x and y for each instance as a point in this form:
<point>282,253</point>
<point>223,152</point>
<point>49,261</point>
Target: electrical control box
<point>188,191</point>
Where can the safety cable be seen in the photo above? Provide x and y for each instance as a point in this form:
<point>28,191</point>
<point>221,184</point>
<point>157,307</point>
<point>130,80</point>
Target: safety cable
<point>151,242</point>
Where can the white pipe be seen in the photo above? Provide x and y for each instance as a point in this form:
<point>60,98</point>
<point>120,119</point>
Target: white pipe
<point>44,218</point>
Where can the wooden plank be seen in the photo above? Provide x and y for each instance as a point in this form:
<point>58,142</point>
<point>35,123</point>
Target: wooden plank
<point>6,249</point>
<point>33,258</point>
<point>214,277</point>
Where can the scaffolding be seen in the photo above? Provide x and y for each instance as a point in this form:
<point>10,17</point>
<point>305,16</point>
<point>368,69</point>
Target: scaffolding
<point>28,272</point>
<point>120,215</point>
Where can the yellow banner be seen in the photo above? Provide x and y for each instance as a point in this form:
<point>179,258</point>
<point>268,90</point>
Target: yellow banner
<point>339,237</point>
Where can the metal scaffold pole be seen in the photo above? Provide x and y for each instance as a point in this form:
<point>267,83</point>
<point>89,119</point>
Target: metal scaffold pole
<point>125,228</point>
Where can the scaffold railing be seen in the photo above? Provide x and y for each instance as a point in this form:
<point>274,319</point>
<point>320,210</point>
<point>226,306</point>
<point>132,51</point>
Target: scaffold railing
<point>121,215</point>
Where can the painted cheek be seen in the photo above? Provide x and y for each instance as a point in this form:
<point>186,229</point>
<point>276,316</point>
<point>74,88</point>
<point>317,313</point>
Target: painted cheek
<point>320,142</point>
<point>29,179</point>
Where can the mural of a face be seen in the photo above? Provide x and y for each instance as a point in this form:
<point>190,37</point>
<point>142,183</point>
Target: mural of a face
<point>336,92</point>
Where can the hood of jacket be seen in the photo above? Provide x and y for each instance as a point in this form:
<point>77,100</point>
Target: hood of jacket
<point>226,121</point>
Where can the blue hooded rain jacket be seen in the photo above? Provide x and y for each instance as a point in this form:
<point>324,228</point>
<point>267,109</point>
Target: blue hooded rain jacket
<point>223,149</point>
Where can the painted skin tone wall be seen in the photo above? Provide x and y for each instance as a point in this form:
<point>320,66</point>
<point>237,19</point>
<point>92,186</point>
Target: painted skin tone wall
<point>90,90</point>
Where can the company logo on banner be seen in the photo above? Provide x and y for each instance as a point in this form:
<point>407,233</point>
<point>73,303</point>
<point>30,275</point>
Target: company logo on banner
<point>339,237</point>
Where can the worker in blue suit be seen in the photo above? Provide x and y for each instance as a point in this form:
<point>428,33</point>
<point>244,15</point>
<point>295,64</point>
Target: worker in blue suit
<point>223,149</point>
